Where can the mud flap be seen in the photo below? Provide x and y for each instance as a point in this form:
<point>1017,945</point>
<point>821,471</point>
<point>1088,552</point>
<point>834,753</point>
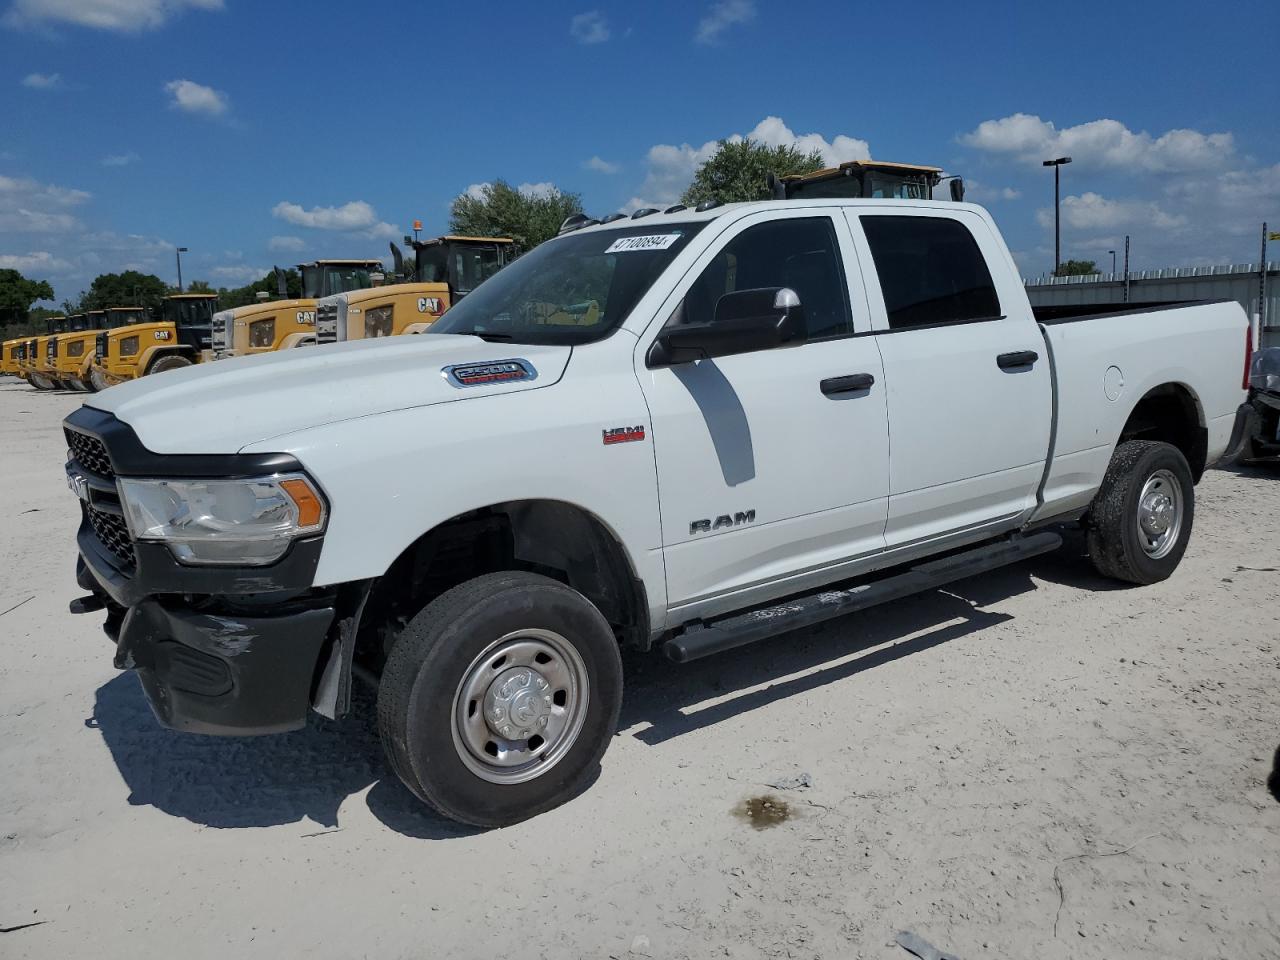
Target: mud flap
<point>333,692</point>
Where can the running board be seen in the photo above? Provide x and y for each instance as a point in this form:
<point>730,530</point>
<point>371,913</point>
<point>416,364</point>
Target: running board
<point>702,640</point>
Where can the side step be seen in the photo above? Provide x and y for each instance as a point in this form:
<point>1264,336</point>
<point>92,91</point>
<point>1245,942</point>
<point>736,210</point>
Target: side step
<point>702,640</point>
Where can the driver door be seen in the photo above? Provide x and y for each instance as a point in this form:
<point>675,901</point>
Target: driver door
<point>771,478</point>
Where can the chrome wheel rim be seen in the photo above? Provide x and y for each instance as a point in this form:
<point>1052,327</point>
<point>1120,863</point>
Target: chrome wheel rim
<point>1159,514</point>
<point>520,706</point>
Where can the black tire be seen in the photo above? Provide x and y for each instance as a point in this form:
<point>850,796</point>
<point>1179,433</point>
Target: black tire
<point>438,650</point>
<point>172,362</point>
<point>1115,537</point>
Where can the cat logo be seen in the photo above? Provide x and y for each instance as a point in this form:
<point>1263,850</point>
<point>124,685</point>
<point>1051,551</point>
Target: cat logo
<point>162,334</point>
<point>429,305</point>
<point>307,316</point>
<point>722,522</point>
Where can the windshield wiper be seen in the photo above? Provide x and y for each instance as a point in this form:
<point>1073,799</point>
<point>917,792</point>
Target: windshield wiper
<point>490,336</point>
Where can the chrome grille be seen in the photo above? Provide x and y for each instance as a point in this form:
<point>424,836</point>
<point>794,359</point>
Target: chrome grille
<point>326,322</point>
<point>90,454</point>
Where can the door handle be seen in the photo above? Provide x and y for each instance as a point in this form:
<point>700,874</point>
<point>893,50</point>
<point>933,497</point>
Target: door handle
<point>835,386</point>
<point>1019,358</point>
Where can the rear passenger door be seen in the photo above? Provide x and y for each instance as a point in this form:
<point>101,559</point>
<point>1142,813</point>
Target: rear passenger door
<point>969,385</point>
<point>773,464</point>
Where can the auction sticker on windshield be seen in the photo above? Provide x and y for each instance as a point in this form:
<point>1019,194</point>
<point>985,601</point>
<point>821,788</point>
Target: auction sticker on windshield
<point>654,241</point>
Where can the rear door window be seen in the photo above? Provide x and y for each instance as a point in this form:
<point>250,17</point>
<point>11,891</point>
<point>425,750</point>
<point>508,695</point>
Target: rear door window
<point>931,271</point>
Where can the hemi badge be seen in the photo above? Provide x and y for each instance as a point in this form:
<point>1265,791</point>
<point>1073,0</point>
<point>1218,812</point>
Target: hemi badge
<point>497,371</point>
<point>623,434</point>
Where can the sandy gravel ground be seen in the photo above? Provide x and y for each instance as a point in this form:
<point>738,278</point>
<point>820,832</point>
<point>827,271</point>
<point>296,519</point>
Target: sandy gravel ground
<point>1032,765</point>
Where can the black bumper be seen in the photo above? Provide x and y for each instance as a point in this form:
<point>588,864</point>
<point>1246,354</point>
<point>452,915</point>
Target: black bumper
<point>224,673</point>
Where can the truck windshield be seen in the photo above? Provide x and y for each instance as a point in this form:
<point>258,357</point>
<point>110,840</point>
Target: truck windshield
<point>574,289</point>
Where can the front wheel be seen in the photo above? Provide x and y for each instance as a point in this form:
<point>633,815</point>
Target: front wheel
<point>499,698</point>
<point>172,362</point>
<point>1140,520</point>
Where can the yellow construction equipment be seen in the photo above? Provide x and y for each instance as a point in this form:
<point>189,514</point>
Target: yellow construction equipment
<point>40,373</point>
<point>10,352</point>
<point>285,323</point>
<point>866,178</point>
<point>444,270</point>
<point>132,344</point>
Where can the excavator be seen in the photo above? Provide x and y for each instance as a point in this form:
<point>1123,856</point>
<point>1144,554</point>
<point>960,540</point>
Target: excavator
<point>285,323</point>
<point>130,343</point>
<point>443,271</point>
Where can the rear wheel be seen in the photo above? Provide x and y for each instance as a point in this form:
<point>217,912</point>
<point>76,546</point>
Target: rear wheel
<point>1140,520</point>
<point>171,362</point>
<point>499,698</point>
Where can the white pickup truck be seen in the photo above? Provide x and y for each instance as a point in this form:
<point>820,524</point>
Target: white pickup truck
<point>688,430</point>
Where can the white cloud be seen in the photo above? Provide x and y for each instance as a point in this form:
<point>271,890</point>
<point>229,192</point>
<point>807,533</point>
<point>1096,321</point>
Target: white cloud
<point>42,81</point>
<point>37,265</point>
<point>979,192</point>
<point>670,167</point>
<point>601,166</point>
<point>476,190</point>
<point>351,217</point>
<point>125,16</point>
<point>355,215</point>
<point>1093,212</point>
<point>29,206</point>
<point>287,244</point>
<point>237,275</point>
<point>590,27</point>
<point>193,97</point>
<point>538,191</point>
<point>120,159</point>
<point>1101,143</point>
<point>722,16</point>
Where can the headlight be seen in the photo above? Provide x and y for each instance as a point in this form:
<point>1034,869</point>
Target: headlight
<point>128,346</point>
<point>245,522</point>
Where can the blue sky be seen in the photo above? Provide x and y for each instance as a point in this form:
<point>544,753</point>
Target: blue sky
<point>271,132</point>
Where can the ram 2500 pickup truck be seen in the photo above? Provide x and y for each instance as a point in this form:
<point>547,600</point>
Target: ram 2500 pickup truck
<point>685,430</point>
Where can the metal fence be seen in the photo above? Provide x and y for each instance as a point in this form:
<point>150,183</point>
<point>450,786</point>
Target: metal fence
<point>1236,281</point>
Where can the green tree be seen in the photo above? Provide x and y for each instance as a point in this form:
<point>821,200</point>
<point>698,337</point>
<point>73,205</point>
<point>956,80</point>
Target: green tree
<point>1076,268</point>
<point>199,286</point>
<point>740,171</point>
<point>243,296</point>
<point>128,289</point>
<point>503,211</point>
<point>17,294</point>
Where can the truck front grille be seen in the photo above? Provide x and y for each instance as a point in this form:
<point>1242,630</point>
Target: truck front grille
<point>113,532</point>
<point>90,454</point>
<point>327,323</point>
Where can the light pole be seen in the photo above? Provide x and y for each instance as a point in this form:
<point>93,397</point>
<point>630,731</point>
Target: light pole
<point>1057,228</point>
<point>178,255</point>
<point>1113,263</point>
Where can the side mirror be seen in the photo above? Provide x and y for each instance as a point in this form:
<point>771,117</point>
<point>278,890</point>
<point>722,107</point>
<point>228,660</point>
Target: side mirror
<point>745,321</point>
<point>957,190</point>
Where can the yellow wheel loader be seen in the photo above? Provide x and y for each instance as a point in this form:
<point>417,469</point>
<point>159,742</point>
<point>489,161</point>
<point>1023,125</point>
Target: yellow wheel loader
<point>444,270</point>
<point>131,344</point>
<point>286,323</point>
<point>9,354</point>
<point>40,356</point>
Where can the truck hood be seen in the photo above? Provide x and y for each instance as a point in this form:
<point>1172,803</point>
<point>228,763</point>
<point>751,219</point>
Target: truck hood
<point>223,406</point>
